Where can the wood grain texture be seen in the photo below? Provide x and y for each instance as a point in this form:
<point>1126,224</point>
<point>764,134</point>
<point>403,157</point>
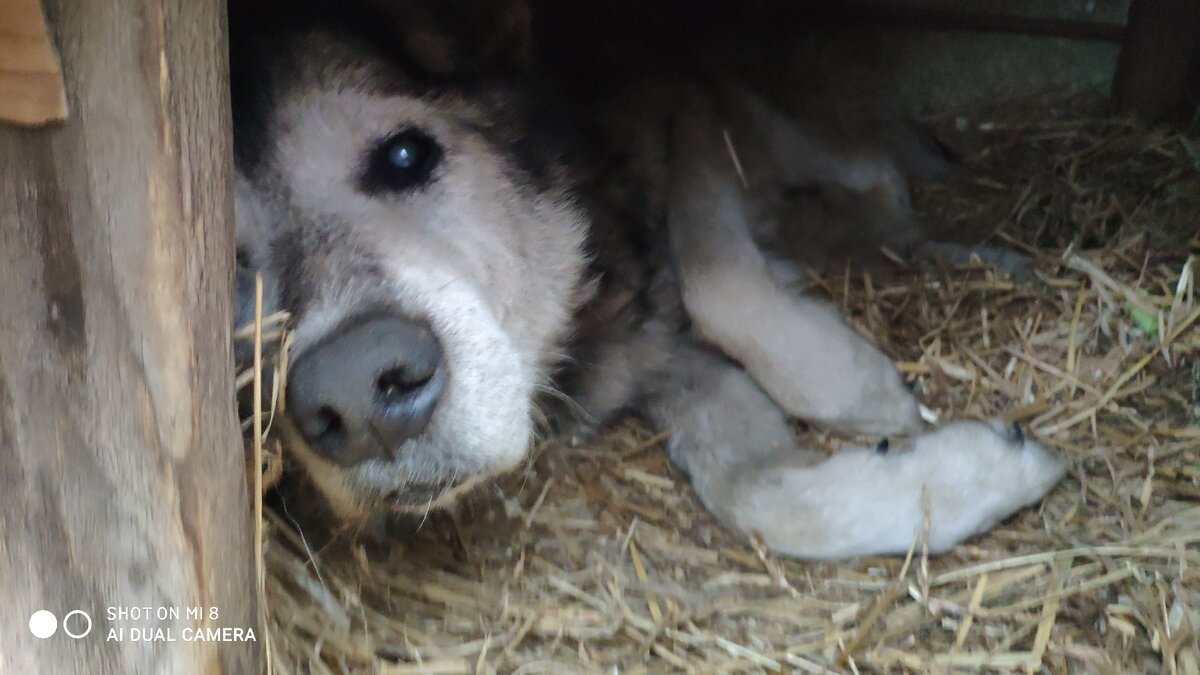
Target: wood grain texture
<point>121,470</point>
<point>31,82</point>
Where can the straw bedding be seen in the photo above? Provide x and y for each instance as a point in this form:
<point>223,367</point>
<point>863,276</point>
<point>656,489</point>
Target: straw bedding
<point>597,558</point>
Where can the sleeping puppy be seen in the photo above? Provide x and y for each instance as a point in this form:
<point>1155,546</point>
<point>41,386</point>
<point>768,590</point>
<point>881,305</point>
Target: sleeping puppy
<point>462,240</point>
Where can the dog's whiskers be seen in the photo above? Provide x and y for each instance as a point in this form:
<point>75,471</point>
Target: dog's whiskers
<point>558,395</point>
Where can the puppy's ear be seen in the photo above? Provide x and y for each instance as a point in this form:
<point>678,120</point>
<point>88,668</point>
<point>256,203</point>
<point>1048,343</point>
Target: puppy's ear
<point>464,38</point>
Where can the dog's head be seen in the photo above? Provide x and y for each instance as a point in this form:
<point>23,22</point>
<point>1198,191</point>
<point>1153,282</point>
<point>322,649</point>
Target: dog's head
<point>397,197</point>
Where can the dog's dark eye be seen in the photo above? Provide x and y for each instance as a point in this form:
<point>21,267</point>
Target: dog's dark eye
<point>401,161</point>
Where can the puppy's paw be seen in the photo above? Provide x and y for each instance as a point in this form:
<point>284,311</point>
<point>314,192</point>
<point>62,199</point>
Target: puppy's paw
<point>872,500</point>
<point>975,474</point>
<point>868,397</point>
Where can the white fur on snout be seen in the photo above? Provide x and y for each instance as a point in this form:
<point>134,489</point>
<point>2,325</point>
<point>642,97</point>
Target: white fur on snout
<point>862,502</point>
<point>493,266</point>
<point>482,423</point>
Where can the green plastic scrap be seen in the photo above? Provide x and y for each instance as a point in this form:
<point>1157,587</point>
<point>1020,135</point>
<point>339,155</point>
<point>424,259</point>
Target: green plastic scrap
<point>1146,321</point>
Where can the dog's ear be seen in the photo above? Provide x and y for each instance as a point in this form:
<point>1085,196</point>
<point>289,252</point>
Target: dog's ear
<point>464,38</point>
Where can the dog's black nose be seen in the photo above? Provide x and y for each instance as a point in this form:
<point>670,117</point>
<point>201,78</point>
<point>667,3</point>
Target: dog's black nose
<point>365,389</point>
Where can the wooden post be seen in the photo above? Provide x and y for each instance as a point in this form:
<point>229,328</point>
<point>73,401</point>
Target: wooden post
<point>31,86</point>
<point>121,470</point>
<point>1160,43</point>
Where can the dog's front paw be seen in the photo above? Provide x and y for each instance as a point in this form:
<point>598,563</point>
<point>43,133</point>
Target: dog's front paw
<point>867,396</point>
<point>974,473</point>
<point>943,486</point>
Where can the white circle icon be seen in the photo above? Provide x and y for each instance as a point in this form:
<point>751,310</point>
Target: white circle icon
<point>43,624</point>
<point>82,633</point>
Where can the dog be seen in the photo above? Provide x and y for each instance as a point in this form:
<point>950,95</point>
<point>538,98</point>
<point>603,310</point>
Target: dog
<point>469,243</point>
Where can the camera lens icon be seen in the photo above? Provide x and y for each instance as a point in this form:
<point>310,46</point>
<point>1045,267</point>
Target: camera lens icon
<point>43,624</point>
<point>84,617</point>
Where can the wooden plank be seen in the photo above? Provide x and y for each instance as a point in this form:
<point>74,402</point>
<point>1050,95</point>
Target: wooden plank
<point>1160,44</point>
<point>1192,92</point>
<point>792,15</point>
<point>121,468</point>
<point>904,15</point>
<point>31,83</point>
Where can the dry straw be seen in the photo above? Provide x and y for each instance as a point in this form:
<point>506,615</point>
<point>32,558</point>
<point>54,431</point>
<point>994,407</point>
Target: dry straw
<point>596,558</point>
